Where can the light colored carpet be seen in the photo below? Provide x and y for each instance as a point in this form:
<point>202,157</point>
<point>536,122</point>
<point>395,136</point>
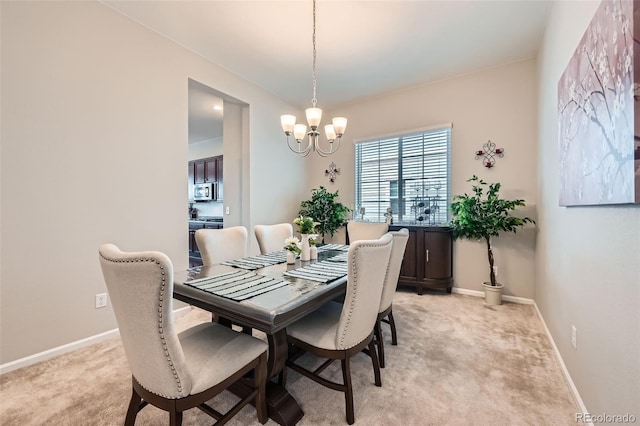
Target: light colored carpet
<point>458,362</point>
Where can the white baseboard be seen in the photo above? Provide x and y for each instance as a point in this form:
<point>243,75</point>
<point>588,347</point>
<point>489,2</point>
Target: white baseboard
<point>54,352</point>
<point>476,293</point>
<point>565,372</point>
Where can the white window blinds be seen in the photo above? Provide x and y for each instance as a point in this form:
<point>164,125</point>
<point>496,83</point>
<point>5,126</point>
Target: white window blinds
<point>407,173</point>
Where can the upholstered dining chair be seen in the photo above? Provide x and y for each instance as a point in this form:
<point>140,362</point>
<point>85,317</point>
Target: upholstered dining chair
<point>175,372</point>
<point>365,230</point>
<point>385,312</point>
<point>219,245</point>
<point>271,237</point>
<point>340,331</point>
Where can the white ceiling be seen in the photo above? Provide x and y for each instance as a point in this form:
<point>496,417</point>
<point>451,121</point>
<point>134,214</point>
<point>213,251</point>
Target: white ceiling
<point>364,48</point>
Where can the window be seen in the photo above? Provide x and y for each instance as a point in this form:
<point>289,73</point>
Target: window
<point>408,173</point>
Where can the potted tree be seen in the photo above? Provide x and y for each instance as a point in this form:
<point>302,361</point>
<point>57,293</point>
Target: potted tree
<point>483,215</point>
<point>326,211</point>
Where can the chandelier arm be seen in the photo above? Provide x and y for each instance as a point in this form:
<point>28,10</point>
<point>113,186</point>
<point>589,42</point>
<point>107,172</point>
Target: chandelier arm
<point>303,152</point>
<point>331,150</point>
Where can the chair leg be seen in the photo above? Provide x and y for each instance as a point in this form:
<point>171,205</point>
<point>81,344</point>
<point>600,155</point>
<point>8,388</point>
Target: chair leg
<point>380,342</point>
<point>348,393</point>
<point>261,381</point>
<point>376,366</point>
<point>392,324</point>
<point>175,417</point>
<point>134,406</point>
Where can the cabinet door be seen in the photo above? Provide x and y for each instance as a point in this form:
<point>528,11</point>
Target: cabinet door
<point>409,269</point>
<point>193,247</point>
<point>211,174</point>
<point>437,254</point>
<point>200,173</point>
<point>220,185</point>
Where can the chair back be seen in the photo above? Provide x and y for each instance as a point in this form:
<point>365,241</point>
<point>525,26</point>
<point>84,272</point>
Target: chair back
<point>220,245</point>
<point>140,285</point>
<point>365,230</point>
<point>400,239</point>
<point>271,237</point>
<point>367,267</point>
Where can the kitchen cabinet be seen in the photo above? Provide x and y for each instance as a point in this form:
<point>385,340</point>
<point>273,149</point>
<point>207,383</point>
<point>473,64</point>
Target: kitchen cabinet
<point>195,259</point>
<point>207,170</point>
<point>428,258</point>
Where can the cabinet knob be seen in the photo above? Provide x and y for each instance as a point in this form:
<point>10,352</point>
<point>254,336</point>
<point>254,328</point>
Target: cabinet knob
<point>427,253</point>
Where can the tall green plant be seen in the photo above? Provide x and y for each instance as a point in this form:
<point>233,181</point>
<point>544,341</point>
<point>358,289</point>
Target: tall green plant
<point>325,210</point>
<point>481,216</point>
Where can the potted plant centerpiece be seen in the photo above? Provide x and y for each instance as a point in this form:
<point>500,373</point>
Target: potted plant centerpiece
<point>306,227</point>
<point>483,215</point>
<point>292,246</point>
<point>326,211</point>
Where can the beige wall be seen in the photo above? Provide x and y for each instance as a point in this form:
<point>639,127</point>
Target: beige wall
<point>588,258</point>
<point>94,148</point>
<point>497,104</point>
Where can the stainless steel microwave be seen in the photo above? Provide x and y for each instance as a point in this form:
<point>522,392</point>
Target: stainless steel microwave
<point>204,192</point>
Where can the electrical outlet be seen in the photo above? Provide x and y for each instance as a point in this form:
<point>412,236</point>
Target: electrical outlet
<point>227,210</point>
<point>495,270</point>
<point>101,300</point>
<point>574,337</point>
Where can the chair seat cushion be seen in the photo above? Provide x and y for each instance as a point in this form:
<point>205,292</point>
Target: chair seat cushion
<point>213,353</point>
<point>319,328</point>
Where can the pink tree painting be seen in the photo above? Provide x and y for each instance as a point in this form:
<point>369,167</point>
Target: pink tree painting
<point>598,111</point>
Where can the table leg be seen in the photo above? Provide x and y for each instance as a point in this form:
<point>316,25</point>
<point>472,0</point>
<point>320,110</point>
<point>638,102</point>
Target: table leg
<point>282,407</point>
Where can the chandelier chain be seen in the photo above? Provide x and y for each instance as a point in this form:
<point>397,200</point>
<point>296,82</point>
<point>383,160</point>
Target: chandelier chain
<point>315,78</point>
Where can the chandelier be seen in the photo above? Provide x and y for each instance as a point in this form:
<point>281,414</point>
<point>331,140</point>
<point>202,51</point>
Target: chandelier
<point>333,131</point>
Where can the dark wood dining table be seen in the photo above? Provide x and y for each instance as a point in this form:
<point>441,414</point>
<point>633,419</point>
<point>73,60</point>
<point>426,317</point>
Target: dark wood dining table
<point>270,313</point>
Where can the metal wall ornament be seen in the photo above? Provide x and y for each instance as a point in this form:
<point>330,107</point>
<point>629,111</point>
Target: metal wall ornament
<point>332,172</point>
<point>488,154</point>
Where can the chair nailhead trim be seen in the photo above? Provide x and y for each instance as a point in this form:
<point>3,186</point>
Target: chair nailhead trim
<point>160,321</point>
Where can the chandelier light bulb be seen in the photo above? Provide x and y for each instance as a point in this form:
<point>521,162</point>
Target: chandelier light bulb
<point>340,125</point>
<point>288,122</point>
<point>314,115</point>
<point>330,132</point>
<point>299,131</point>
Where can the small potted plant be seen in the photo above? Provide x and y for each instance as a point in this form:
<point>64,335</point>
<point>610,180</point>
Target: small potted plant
<point>292,246</point>
<point>483,215</point>
<point>313,250</point>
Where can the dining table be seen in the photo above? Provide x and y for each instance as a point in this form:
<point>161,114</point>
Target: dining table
<point>258,293</point>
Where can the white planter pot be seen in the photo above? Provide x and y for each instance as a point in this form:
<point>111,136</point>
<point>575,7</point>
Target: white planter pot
<point>493,294</point>
<point>305,255</point>
<point>291,258</point>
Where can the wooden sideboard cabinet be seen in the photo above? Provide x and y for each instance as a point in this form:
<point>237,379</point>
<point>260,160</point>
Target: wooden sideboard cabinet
<point>428,258</point>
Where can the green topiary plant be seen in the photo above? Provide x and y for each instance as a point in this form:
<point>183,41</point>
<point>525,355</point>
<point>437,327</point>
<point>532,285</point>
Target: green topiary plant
<point>481,216</point>
<point>328,213</point>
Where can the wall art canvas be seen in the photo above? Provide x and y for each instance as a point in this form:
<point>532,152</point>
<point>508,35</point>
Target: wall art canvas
<point>599,111</point>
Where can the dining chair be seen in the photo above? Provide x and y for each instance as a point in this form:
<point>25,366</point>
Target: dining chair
<point>271,237</point>
<point>340,331</point>
<point>385,312</point>
<point>365,230</point>
<point>220,245</point>
<point>175,371</point>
